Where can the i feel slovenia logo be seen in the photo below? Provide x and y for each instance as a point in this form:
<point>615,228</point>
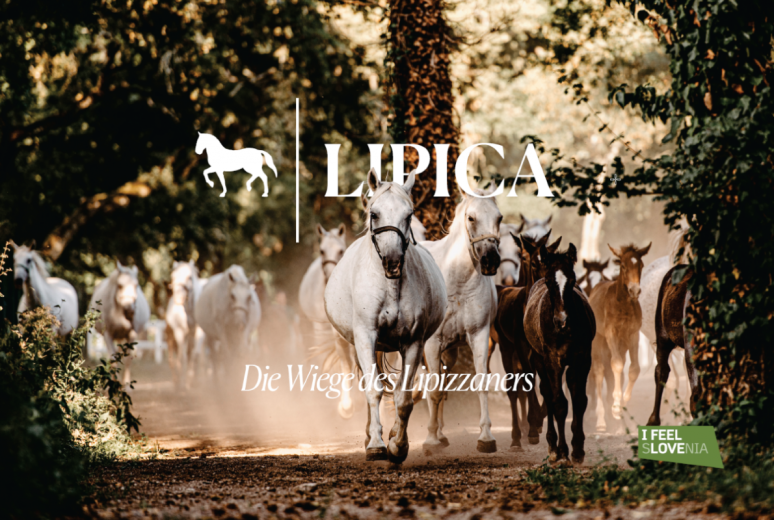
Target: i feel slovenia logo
<point>694,445</point>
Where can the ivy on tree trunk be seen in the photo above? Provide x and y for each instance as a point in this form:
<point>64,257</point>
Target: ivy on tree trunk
<point>419,95</point>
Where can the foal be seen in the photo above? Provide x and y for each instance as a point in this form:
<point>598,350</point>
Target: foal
<point>514,348</point>
<point>595,273</point>
<point>671,334</point>
<point>559,325</point>
<point>619,318</point>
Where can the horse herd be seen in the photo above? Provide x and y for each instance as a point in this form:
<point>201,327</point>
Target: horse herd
<point>485,284</point>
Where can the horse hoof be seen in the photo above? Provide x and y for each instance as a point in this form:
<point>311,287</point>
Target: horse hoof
<point>373,454</point>
<point>578,459</point>
<point>444,442</point>
<point>534,440</point>
<point>431,449</point>
<point>399,456</point>
<point>601,428</point>
<point>487,446</point>
<point>516,447</point>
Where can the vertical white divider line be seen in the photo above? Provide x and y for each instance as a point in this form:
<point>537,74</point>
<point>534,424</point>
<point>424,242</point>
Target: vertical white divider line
<point>297,174</point>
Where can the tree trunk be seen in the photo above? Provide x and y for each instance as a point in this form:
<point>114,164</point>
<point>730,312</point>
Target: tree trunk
<point>419,95</point>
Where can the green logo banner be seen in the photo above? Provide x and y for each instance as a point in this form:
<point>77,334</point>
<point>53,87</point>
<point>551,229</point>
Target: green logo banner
<point>694,445</point>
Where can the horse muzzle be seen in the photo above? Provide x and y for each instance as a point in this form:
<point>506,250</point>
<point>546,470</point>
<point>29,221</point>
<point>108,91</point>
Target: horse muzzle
<point>490,262</point>
<point>560,321</point>
<point>393,267</point>
<point>634,290</point>
<point>18,281</point>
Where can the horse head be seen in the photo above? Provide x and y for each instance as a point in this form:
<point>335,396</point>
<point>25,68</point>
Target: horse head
<point>510,254</point>
<point>629,258</point>
<point>594,271</point>
<point>182,284</point>
<point>332,246</point>
<point>482,220</point>
<point>530,253</point>
<point>25,259</point>
<point>240,293</point>
<point>535,227</point>
<point>389,212</point>
<point>127,287</point>
<point>201,142</point>
<point>560,280</point>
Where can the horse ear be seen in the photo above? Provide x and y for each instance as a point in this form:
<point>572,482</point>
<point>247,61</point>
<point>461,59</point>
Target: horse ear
<point>616,252</point>
<point>548,220</point>
<point>517,239</point>
<point>320,230</point>
<point>410,181</point>
<point>553,247</point>
<point>543,253</point>
<point>604,266</point>
<point>544,239</point>
<point>519,227</point>
<point>644,251</point>
<point>231,276</point>
<point>373,180</point>
<point>119,266</point>
<point>572,253</point>
<point>523,219</point>
<point>31,244</point>
<point>585,264</point>
<point>364,199</point>
<point>13,245</point>
<point>340,230</point>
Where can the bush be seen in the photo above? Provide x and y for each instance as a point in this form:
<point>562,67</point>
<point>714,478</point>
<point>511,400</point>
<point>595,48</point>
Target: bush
<point>57,416</point>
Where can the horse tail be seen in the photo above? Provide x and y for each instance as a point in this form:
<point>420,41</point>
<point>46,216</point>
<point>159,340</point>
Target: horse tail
<point>269,162</point>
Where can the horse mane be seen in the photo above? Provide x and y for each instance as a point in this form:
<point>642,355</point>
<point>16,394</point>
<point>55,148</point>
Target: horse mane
<point>629,248</point>
<point>678,240</point>
<point>384,188</point>
<point>40,264</point>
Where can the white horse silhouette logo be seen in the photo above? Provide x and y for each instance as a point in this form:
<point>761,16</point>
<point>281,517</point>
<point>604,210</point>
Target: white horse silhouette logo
<point>224,160</point>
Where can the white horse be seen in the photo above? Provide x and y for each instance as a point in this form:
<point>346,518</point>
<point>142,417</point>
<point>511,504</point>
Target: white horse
<point>510,255</point>
<point>224,160</point>
<point>228,311</point>
<point>535,227</point>
<point>41,290</point>
<point>652,276</point>
<point>181,323</point>
<point>124,311</point>
<point>468,257</point>
<point>418,230</point>
<point>387,294</point>
<point>336,350</point>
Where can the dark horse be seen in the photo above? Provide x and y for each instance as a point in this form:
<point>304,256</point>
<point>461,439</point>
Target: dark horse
<point>559,325</point>
<point>508,332</point>
<point>671,334</point>
<point>593,275</point>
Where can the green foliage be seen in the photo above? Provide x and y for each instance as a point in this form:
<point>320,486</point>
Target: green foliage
<point>100,102</point>
<point>719,176</point>
<point>57,416</point>
<point>744,485</point>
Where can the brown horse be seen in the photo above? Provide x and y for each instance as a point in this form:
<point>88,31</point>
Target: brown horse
<point>619,318</point>
<point>559,325</point>
<point>671,334</point>
<point>593,275</point>
<point>508,332</point>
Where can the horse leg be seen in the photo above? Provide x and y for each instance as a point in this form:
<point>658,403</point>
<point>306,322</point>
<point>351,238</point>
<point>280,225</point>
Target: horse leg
<point>434,397</point>
<point>207,173</point>
<point>365,344</point>
<point>507,352</point>
<point>617,364</point>
<point>548,401</point>
<point>577,375</point>
<point>634,365</point>
<point>346,407</point>
<point>222,182</point>
<point>690,370</point>
<point>600,363</point>
<point>664,348</point>
<point>479,343</point>
<point>404,404</point>
<point>448,360</point>
<point>560,406</point>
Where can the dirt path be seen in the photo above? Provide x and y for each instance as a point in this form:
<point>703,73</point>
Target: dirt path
<point>227,453</point>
